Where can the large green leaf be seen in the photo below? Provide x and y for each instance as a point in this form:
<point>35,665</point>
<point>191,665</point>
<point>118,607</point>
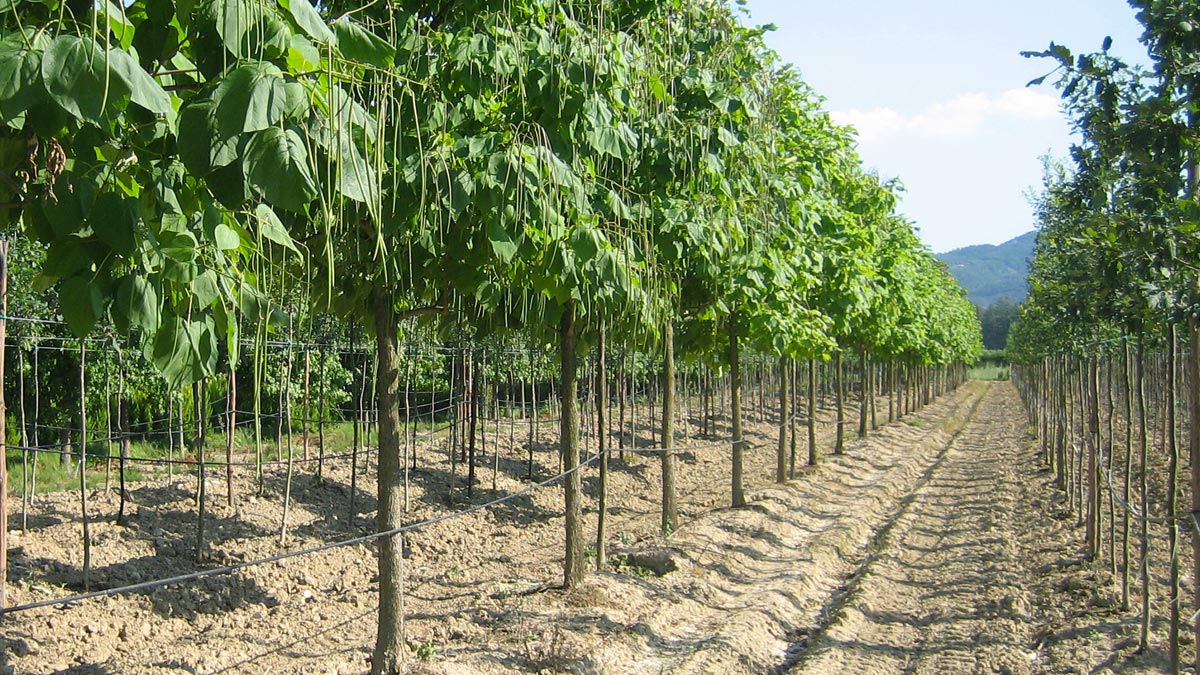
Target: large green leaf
<point>184,351</point>
<point>504,246</point>
<point>250,98</point>
<point>357,179</point>
<point>271,228</point>
<point>276,164</point>
<point>75,72</point>
<point>249,29</point>
<point>361,45</point>
<point>137,301</point>
<point>143,90</point>
<point>81,304</point>
<point>308,20</point>
<point>20,75</point>
<point>197,137</point>
<point>115,221</point>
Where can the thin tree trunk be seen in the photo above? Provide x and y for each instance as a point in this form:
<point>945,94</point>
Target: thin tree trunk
<point>735,400</point>
<point>840,392</point>
<point>1173,493</point>
<point>670,511</point>
<point>781,456</point>
<point>793,378</point>
<point>1127,366</point>
<point>813,454</point>
<point>864,391</point>
<point>231,411</point>
<point>471,377</point>
<point>389,637</point>
<point>83,440</point>
<point>573,570</point>
<point>1193,416</point>
<point>1144,527</point>
<point>602,434</point>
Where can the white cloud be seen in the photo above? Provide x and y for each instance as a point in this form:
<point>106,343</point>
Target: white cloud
<point>961,117</point>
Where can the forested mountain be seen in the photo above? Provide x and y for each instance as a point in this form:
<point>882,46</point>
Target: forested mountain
<point>990,272</point>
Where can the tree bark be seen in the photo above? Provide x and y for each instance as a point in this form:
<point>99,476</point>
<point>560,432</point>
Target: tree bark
<point>840,393</point>
<point>573,570</point>
<point>781,455</point>
<point>813,454</point>
<point>388,656</point>
<point>735,402</point>
<point>670,513</point>
<point>602,435</point>
<point>864,390</point>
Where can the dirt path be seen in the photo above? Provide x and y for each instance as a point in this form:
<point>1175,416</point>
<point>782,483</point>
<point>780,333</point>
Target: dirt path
<point>948,591</point>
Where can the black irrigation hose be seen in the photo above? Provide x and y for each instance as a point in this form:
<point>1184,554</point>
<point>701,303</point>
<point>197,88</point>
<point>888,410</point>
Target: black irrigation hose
<point>217,571</point>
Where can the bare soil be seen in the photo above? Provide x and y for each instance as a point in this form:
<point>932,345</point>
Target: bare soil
<point>934,545</point>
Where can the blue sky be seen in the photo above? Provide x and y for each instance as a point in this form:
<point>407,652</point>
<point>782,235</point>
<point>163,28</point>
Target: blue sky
<point>937,91</point>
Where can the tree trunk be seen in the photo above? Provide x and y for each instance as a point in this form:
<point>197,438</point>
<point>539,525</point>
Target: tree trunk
<point>1092,479</point>
<point>670,514</point>
<point>83,441</point>
<point>471,384</point>
<point>864,394</point>
<point>1144,527</point>
<point>389,637</point>
<point>793,378</point>
<point>781,455</point>
<point>602,435</point>
<point>1173,494</point>
<point>231,411</point>
<point>840,392</point>
<point>813,454</point>
<point>573,570</point>
<point>735,401</point>
<point>1193,401</point>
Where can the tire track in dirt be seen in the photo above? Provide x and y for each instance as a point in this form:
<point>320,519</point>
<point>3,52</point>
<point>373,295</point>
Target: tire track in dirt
<point>749,577</point>
<point>948,590</point>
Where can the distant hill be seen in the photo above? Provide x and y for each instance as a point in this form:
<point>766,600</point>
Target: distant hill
<point>991,272</point>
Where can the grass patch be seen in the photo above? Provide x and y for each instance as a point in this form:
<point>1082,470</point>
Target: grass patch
<point>54,475</point>
<point>989,372</point>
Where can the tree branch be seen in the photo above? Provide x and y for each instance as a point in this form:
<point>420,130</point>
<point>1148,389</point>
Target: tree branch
<point>421,311</point>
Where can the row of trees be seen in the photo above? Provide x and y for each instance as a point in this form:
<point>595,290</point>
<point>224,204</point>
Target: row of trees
<point>199,171</point>
<point>1114,287</point>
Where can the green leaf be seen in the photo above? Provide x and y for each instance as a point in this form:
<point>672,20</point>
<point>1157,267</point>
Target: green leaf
<point>205,289</point>
<point>115,221</point>
<point>247,29</point>
<point>137,301</point>
<point>197,141</point>
<point>271,228</point>
<point>184,351</point>
<point>308,20</point>
<point>81,304</point>
<point>143,90</point>
<point>357,179</point>
<point>250,98</point>
<point>20,75</point>
<point>75,73</point>
<point>66,257</point>
<point>302,55</point>
<point>118,23</point>
<point>276,163</point>
<point>361,45</point>
<point>503,244</point>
